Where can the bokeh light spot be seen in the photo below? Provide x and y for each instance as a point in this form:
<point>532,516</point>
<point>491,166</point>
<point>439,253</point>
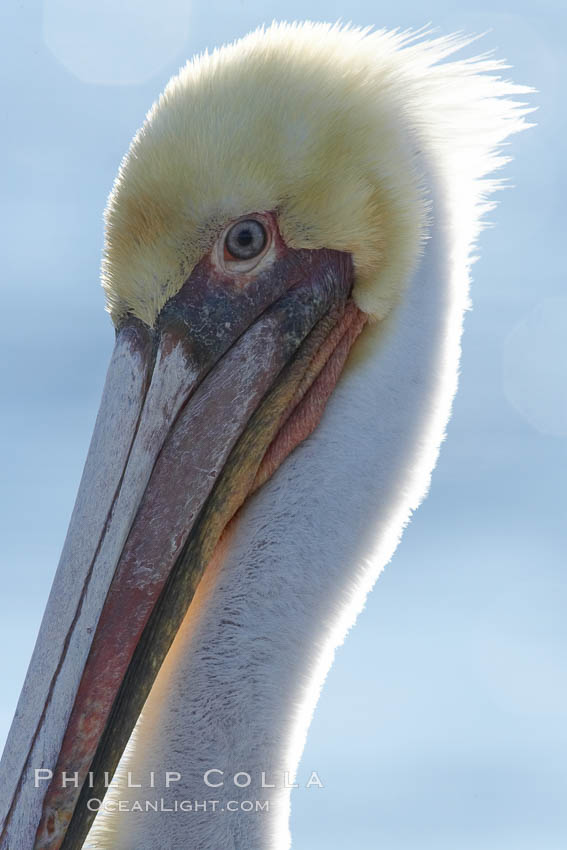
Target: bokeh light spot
<point>535,367</point>
<point>110,43</point>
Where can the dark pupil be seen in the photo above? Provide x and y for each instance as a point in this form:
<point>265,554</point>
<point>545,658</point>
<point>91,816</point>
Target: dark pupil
<point>245,238</point>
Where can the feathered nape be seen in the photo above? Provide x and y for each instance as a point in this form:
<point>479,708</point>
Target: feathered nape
<point>325,124</point>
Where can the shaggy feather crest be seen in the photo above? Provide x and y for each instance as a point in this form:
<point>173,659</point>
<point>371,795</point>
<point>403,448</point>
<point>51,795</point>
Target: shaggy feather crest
<point>321,123</point>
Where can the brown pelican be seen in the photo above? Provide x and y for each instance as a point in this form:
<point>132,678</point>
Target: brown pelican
<point>302,190</point>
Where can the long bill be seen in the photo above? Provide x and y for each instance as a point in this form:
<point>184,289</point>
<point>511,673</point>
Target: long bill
<point>196,413</point>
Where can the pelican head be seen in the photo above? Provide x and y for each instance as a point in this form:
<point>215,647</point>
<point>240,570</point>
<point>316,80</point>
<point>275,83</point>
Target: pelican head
<point>287,195</point>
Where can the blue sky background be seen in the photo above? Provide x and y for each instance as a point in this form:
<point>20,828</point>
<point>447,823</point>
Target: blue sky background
<point>442,724</point>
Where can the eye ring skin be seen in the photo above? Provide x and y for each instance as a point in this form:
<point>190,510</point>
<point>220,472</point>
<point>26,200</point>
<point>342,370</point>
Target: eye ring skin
<point>222,258</point>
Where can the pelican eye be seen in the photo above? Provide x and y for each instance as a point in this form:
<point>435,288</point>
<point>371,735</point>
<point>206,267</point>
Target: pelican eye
<point>246,239</point>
